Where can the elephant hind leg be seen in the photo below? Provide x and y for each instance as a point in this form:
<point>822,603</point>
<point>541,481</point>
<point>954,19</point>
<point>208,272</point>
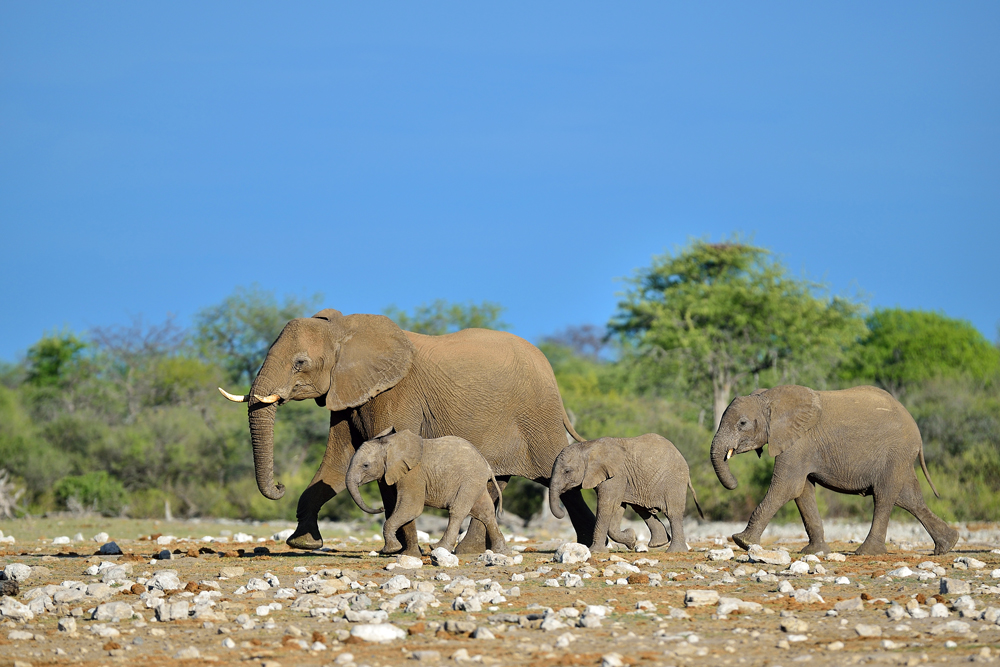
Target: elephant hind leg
<point>912,500</point>
<point>884,499</point>
<point>483,510</point>
<point>658,536</point>
<point>477,538</point>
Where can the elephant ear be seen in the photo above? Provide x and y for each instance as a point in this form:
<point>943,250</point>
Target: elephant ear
<point>604,461</point>
<point>373,354</point>
<point>403,454</point>
<point>793,411</point>
<point>328,314</point>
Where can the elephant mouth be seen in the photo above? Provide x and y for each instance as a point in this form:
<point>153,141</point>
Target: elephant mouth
<point>729,454</point>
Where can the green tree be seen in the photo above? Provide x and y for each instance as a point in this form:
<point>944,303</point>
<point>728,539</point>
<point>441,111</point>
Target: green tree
<point>237,333</point>
<point>441,317</point>
<point>724,311</point>
<point>52,359</point>
<point>906,348</point>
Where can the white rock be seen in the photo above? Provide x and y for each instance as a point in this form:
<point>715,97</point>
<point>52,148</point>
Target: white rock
<point>808,596</point>
<point>283,535</point>
<point>785,587</point>
<point>758,554</point>
<point>441,557</point>
<point>164,540</point>
<point>489,558</point>
<point>263,610</point>
<point>112,610</point>
<point>104,631</point>
<point>865,630</point>
<point>701,598</point>
<point>612,660</point>
<point>939,611</point>
<point>971,563</point>
<point>408,562</point>
<point>951,628</point>
<point>729,605</point>
<point>256,584</point>
<point>852,604</point>
<point>721,554</point>
<point>955,587</point>
<point>100,537</point>
<point>836,558</point>
<point>395,584</point>
<point>900,572</point>
<point>799,567</point>
<point>377,632</point>
<point>164,580</point>
<point>843,581</point>
<point>995,574</point>
<point>16,571</point>
<point>571,552</point>
<point>189,653</point>
<point>62,539</point>
<point>67,624</point>
<point>11,608</point>
<point>835,646</point>
<point>172,611</point>
<point>228,643</point>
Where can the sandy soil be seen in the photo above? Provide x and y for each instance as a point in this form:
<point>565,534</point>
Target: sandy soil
<point>647,621</point>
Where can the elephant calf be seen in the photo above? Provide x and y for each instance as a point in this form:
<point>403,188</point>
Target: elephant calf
<point>859,440</point>
<point>646,472</point>
<point>447,473</point>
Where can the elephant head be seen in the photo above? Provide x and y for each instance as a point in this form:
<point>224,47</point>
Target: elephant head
<point>583,464</point>
<point>389,454</point>
<point>339,361</point>
<point>776,417</point>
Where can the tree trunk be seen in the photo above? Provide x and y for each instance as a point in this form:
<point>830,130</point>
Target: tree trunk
<point>722,389</point>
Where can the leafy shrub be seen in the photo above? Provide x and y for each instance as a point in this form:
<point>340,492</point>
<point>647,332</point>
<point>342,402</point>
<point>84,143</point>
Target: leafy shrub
<point>95,491</point>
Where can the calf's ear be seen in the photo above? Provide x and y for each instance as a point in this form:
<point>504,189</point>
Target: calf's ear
<point>604,461</point>
<point>402,455</point>
<point>791,412</point>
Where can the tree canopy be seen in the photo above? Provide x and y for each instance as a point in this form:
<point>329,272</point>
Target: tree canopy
<point>903,348</point>
<point>441,317</point>
<point>727,310</point>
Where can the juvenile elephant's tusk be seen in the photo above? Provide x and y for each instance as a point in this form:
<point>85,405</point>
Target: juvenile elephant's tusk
<point>233,397</point>
<point>267,399</point>
<point>729,454</point>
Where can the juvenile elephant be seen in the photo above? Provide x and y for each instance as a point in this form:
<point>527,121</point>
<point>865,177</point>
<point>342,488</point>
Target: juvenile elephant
<point>646,472</point>
<point>858,440</point>
<point>447,473</point>
<point>489,387</point>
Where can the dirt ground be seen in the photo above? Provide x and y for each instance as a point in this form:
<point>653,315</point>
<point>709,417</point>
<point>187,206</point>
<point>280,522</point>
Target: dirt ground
<point>646,623</point>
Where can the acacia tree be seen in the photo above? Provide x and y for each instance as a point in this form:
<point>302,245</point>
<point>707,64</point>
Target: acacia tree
<point>903,348</point>
<point>727,310</point>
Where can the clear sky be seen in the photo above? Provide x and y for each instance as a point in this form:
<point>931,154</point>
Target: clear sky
<point>154,156</point>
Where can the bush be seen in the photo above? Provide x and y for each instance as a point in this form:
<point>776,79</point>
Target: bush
<point>95,491</point>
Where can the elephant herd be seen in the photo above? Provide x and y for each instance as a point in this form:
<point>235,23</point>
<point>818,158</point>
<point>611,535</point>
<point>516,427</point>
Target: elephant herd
<point>445,421</point>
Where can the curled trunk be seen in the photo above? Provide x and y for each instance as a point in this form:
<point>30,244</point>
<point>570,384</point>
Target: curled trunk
<point>354,488</point>
<point>555,491</point>
<point>721,465</point>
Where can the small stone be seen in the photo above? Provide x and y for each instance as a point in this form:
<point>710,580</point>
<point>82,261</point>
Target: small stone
<point>344,659</point>
<point>459,627</point>
<point>843,581</point>
<point>785,587</point>
<point>971,563</point>
<point>426,656</point>
<point>16,572</point>
<point>758,554</point>
<point>572,552</point>
<point>794,626</point>
<point>799,567</point>
<point>228,643</point>
<point>835,646</point>
<point>852,604</point>
<point>67,624</point>
<point>11,608</point>
<point>396,583</point>
<point>612,660</point>
<point>836,558</point>
<point>900,572</point>
<point>230,572</point>
<point>377,632</point>
<point>408,562</point>
<point>9,588</point>
<point>939,611</point>
<point>110,549</point>
<point>890,645</point>
<point>951,628</point>
<point>955,587</point>
<point>100,537</point>
<point>112,610</point>
<point>701,598</point>
<point>865,630</point>
<point>483,633</point>
<point>721,554</point>
<point>189,653</point>
<point>441,557</point>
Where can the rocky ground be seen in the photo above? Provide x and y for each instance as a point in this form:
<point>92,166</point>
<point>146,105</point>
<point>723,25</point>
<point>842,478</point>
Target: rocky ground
<point>234,593</point>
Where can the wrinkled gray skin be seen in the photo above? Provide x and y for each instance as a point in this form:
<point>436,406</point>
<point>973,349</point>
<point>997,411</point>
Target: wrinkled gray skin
<point>447,473</point>
<point>646,472</point>
<point>489,387</point>
<point>858,440</point>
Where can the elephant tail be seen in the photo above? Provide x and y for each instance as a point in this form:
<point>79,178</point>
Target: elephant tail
<point>569,428</point>
<point>499,495</point>
<point>695,496</point>
<point>923,466</point>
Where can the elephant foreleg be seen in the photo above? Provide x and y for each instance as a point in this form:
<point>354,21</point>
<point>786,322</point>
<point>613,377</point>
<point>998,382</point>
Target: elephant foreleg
<point>806,502</point>
<point>326,483</point>
<point>912,500</point>
<point>402,530</point>
<point>615,532</point>
<point>610,495</point>
<point>779,493</point>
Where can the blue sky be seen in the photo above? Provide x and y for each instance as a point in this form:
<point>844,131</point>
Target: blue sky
<point>154,157</point>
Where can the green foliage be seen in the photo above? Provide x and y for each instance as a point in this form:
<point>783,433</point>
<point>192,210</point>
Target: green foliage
<point>95,491</point>
<point>441,317</point>
<point>905,348</point>
<point>237,333</point>
<point>51,360</point>
<point>723,311</point>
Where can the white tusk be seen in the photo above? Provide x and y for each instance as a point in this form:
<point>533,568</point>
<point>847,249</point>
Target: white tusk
<point>729,454</point>
<point>233,397</point>
<point>267,399</point>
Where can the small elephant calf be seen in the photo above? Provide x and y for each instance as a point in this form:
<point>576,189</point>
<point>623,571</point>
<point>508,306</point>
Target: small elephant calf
<point>646,472</point>
<point>447,473</point>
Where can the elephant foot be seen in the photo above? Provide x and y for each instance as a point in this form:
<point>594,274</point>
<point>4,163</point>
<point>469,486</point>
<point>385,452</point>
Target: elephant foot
<point>743,540</point>
<point>658,543</point>
<point>391,548</point>
<point>598,548</point>
<point>870,549</point>
<point>677,546</point>
<point>306,539</point>
<point>815,548</point>
<point>947,544</point>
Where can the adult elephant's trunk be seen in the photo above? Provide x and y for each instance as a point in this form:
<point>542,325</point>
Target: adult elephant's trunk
<point>354,488</point>
<point>720,454</point>
<point>556,489</point>
<point>262,438</point>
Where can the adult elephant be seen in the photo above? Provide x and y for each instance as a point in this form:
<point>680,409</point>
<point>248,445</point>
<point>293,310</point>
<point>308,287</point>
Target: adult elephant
<point>489,387</point>
<point>859,440</point>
